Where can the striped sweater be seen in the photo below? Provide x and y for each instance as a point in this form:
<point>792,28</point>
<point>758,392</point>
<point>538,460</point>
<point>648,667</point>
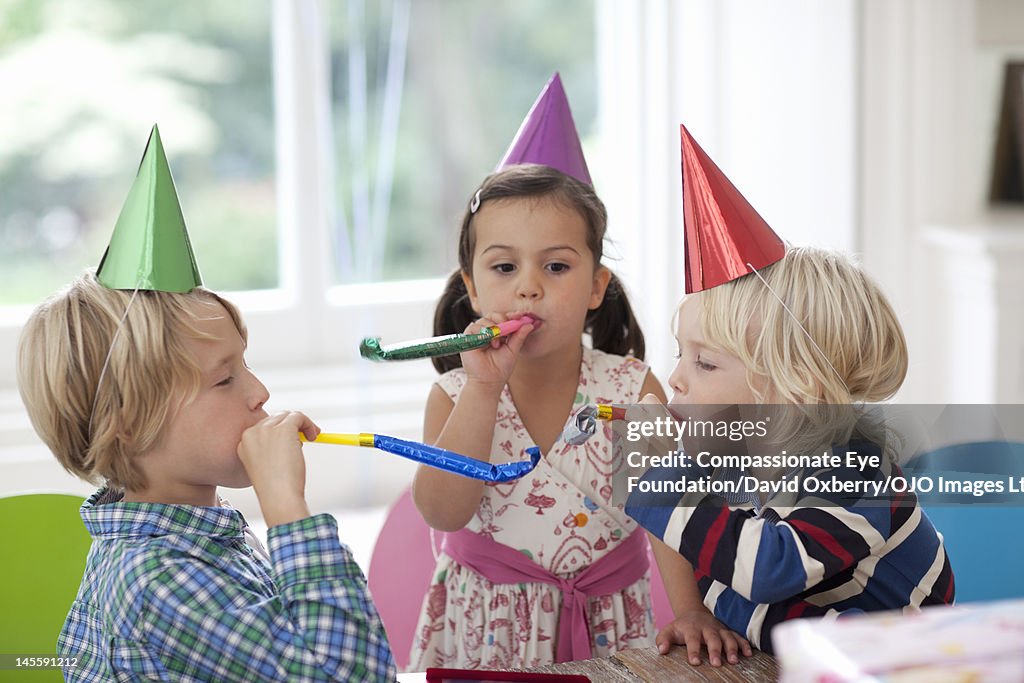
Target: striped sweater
<point>805,553</point>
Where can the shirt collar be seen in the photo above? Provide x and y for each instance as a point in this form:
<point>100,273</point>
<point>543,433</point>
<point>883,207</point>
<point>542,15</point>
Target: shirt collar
<point>106,516</point>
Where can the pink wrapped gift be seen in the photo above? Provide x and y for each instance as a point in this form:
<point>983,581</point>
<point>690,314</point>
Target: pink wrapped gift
<point>974,642</point>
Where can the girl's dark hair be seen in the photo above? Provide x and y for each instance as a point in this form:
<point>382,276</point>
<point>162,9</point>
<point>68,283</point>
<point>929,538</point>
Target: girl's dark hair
<point>612,325</point>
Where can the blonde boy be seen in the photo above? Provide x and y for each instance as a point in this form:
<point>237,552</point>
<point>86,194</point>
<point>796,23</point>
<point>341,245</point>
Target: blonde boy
<point>147,391</point>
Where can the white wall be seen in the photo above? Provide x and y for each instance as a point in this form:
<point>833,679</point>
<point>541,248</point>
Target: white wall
<point>768,89</point>
<point>951,262</point>
<point>864,125</point>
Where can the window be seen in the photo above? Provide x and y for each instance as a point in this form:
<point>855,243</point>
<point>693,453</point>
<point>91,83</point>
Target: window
<point>323,152</point>
<point>83,82</point>
<point>425,98</point>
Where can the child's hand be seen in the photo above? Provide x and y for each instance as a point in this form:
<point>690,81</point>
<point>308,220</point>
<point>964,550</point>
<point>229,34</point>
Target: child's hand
<point>699,626</point>
<point>493,364</point>
<point>650,409</point>
<point>272,455</point>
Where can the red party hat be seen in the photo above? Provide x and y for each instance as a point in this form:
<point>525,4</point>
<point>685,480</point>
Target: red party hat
<point>548,136</point>
<point>723,232</point>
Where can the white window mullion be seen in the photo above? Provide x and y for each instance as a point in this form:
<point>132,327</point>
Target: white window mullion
<point>304,152</point>
<point>639,71</point>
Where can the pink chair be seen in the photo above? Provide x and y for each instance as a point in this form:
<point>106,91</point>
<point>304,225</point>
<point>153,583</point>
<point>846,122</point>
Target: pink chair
<point>400,571</point>
<point>659,598</point>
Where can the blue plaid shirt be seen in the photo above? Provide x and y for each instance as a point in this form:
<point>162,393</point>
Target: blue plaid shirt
<point>174,593</point>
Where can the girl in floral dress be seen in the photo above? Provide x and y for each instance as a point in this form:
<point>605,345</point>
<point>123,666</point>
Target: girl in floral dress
<point>545,568</point>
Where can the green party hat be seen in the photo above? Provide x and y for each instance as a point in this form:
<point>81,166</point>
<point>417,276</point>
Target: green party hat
<point>150,248</point>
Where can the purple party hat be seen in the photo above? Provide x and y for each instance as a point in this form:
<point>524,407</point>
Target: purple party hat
<point>548,136</point>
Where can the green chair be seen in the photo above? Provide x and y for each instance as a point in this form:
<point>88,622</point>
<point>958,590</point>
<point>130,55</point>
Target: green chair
<point>45,545</point>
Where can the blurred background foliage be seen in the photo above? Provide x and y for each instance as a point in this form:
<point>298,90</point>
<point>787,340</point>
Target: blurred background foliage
<point>84,80</point>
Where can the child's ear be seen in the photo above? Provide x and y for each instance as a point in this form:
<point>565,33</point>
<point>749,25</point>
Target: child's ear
<point>602,276</point>
<point>467,280</point>
<point>126,439</point>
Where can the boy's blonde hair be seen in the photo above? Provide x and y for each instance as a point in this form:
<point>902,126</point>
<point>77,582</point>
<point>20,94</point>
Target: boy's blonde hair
<point>858,354</point>
<point>150,372</point>
<point>861,353</point>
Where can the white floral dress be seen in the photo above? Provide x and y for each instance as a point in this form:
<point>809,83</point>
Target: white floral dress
<point>561,516</point>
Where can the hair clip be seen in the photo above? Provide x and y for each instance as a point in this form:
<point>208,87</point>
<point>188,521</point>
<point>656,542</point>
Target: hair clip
<point>474,203</point>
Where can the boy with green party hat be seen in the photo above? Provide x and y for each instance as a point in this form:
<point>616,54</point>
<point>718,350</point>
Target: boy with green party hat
<point>135,377</point>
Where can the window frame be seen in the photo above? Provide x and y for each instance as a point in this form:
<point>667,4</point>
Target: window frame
<point>307,319</point>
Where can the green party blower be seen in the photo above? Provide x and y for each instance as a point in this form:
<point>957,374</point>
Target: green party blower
<point>445,345</point>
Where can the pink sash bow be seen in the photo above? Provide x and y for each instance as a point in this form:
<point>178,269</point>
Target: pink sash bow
<point>499,563</point>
